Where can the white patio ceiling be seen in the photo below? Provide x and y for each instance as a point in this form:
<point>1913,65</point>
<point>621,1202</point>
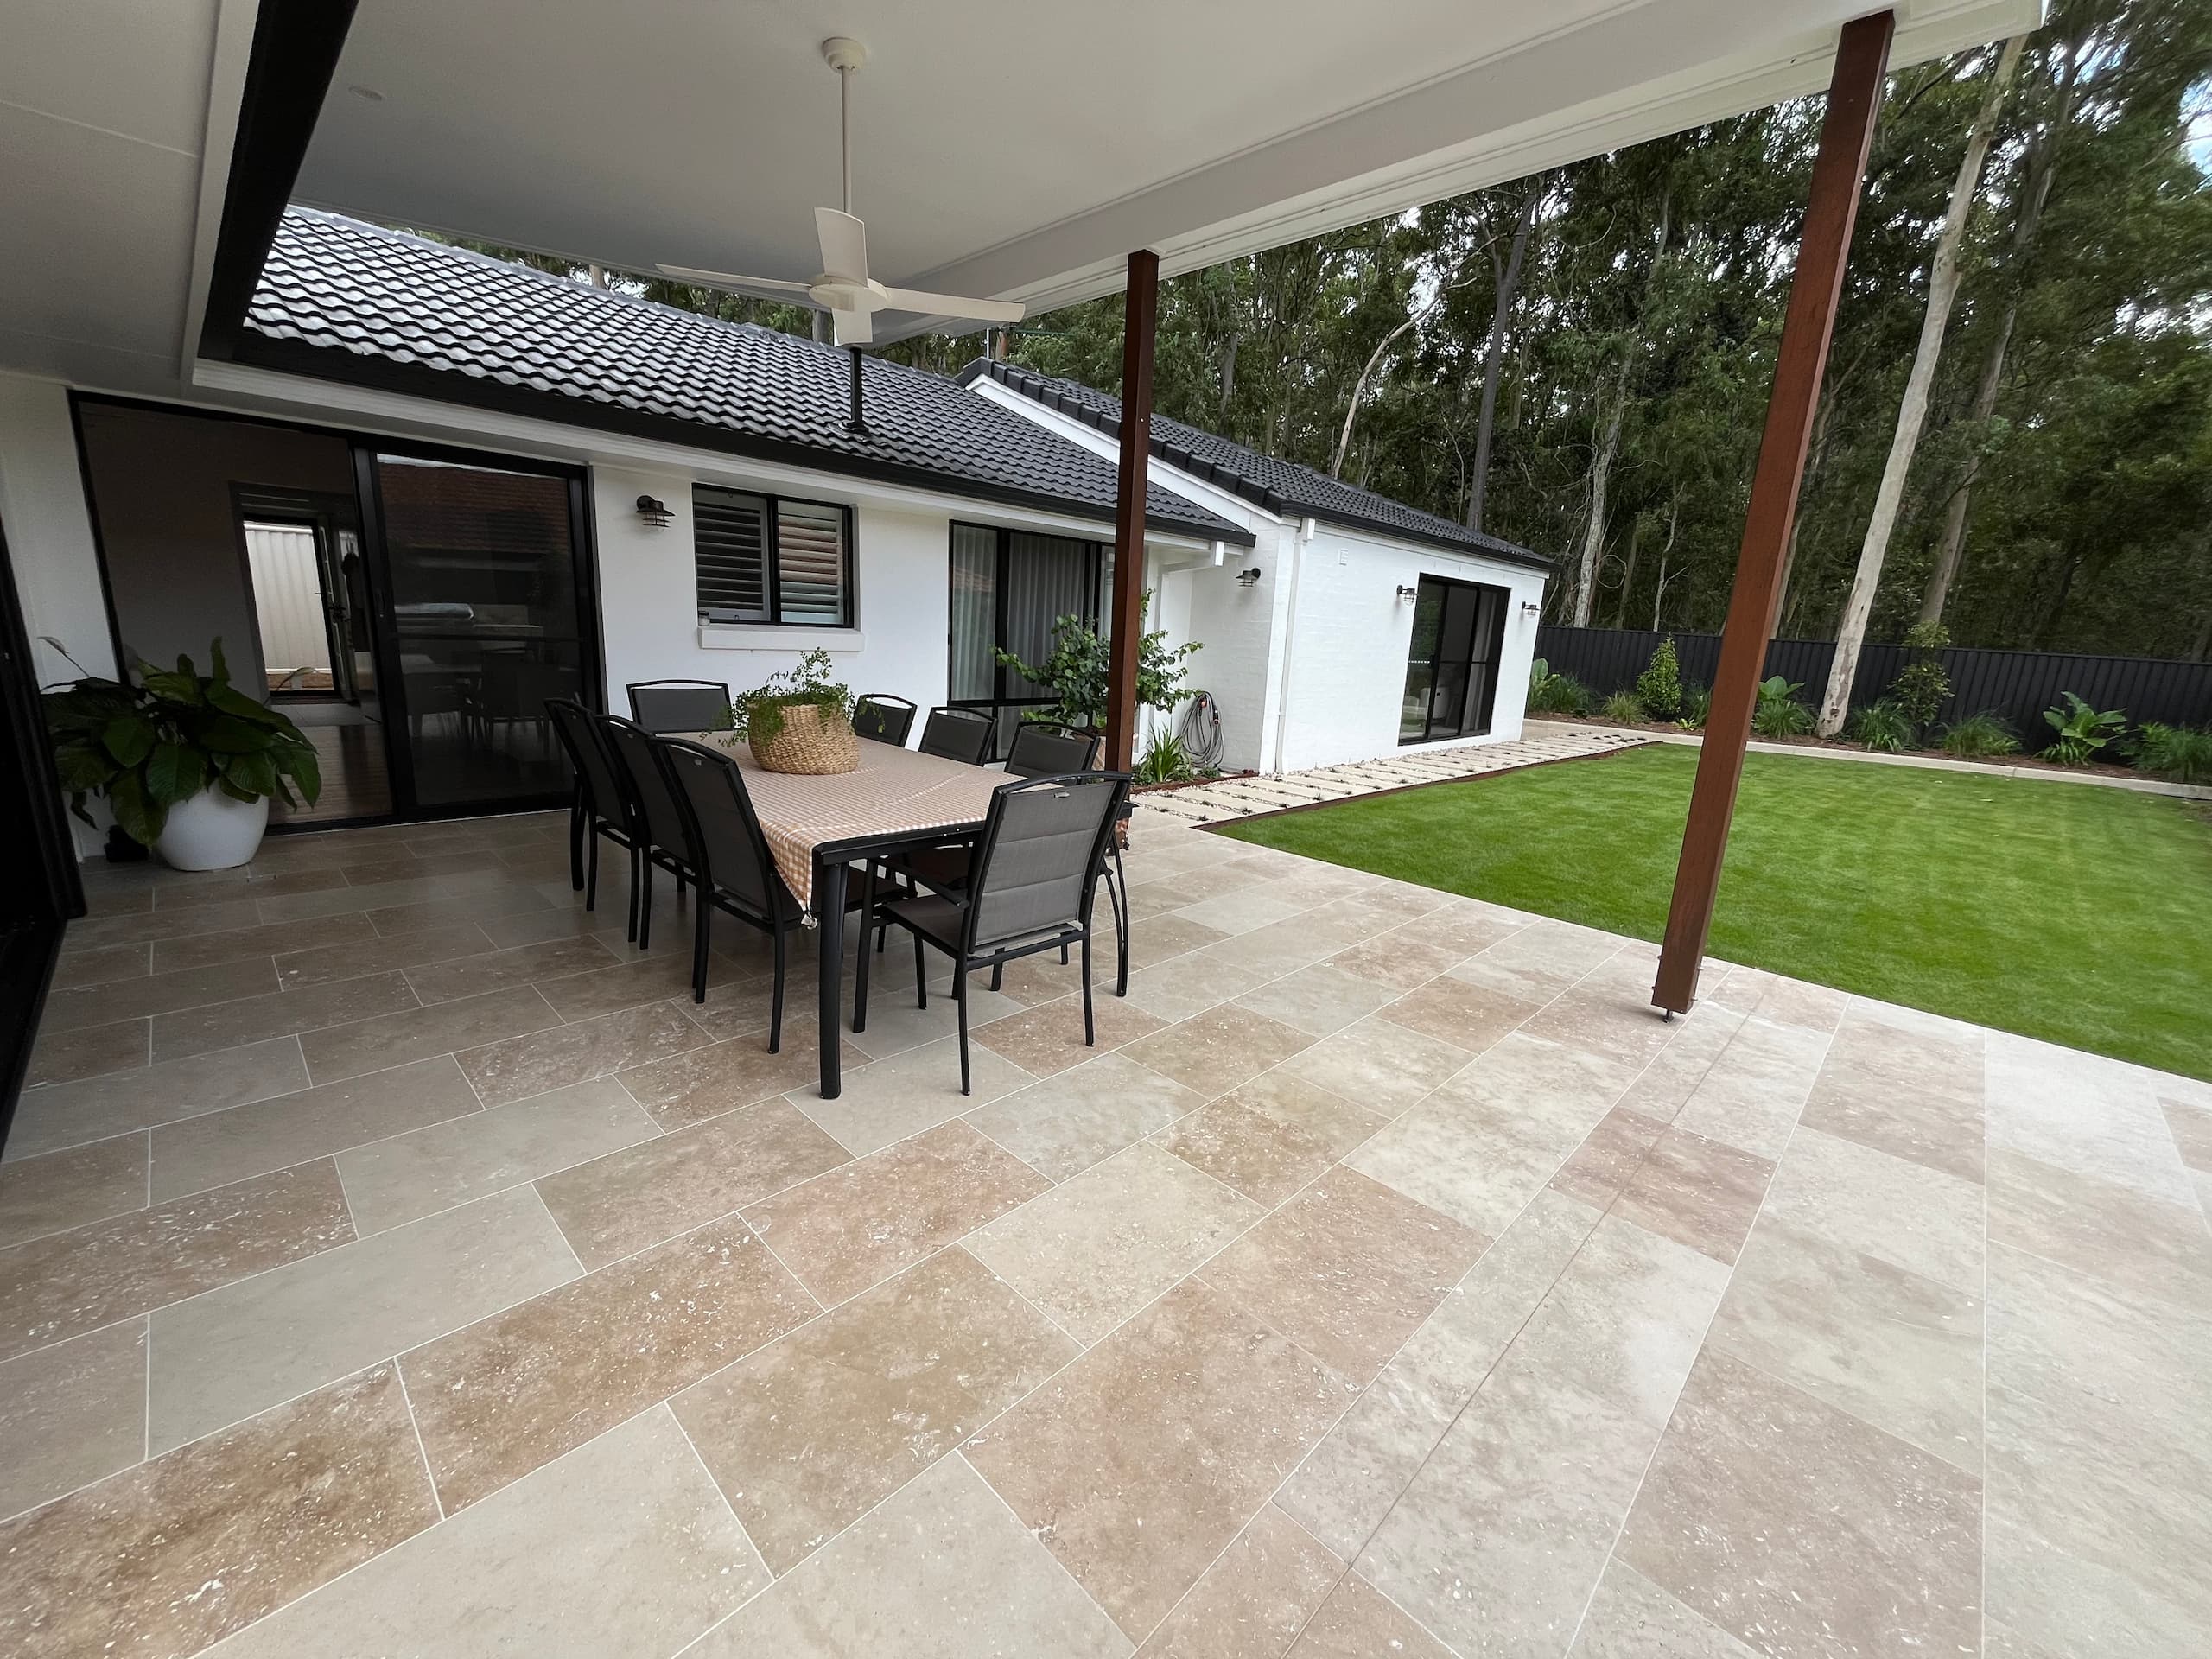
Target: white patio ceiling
<point>1004,148</point>
<point>1020,151</point>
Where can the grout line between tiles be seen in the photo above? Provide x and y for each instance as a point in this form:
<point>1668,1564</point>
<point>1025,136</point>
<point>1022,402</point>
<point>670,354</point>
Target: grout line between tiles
<point>414,1424</point>
<point>1659,1439</point>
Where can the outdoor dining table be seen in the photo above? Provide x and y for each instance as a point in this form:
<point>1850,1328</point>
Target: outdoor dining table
<point>816,827</point>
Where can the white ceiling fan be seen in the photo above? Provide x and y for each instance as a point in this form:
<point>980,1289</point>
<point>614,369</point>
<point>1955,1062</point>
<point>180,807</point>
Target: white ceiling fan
<point>844,289</point>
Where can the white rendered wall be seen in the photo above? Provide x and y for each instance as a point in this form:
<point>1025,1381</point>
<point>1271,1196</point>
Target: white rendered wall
<point>1348,654</point>
<point>649,604</point>
<point>50,541</point>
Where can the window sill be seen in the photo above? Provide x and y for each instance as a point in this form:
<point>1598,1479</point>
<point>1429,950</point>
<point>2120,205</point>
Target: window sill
<point>768,635</point>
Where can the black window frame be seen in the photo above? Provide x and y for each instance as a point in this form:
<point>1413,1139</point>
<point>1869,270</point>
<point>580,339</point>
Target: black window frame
<point>1494,636</point>
<point>849,609</point>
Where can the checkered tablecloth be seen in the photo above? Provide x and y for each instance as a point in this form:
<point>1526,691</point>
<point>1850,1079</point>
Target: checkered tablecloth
<point>894,792</point>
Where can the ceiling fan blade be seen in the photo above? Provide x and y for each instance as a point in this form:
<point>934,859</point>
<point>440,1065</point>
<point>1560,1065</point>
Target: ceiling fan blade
<point>952,305</point>
<point>771,288</point>
<point>844,245</point>
<point>854,327</point>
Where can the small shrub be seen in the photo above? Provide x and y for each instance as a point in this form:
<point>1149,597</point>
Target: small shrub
<point>1923,686</point>
<point>2177,752</point>
<point>1883,727</point>
<point>1977,734</point>
<point>2082,731</point>
<point>1623,709</point>
<point>1779,714</point>
<point>1164,762</point>
<point>1697,708</point>
<point>1659,687</point>
<point>1556,694</point>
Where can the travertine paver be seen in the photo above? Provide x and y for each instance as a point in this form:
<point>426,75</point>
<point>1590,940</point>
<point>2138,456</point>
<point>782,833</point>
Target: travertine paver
<point>1390,1280</point>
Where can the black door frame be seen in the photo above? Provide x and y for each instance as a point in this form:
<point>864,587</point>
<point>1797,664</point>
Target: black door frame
<point>1001,568</point>
<point>1494,635</point>
<point>37,901</point>
<point>391,694</point>
<point>399,742</point>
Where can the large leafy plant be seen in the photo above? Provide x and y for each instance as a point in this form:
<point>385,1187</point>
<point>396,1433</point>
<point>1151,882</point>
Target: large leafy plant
<point>165,734</point>
<point>1555,694</point>
<point>760,713</point>
<point>1778,713</point>
<point>1075,671</point>
<point>2082,730</point>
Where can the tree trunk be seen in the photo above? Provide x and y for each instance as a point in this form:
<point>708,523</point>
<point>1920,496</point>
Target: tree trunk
<point>1593,536</point>
<point>2201,652</point>
<point>1912,414</point>
<point>1659,595</point>
<point>2035,191</point>
<point>1359,390</point>
<point>1593,540</point>
<point>1628,573</point>
<point>1509,284</point>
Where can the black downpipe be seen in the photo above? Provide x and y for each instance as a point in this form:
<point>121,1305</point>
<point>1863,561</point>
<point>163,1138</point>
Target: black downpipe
<point>856,412</point>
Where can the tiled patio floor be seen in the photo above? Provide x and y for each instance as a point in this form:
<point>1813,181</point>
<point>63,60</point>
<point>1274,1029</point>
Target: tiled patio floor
<point>391,1263</point>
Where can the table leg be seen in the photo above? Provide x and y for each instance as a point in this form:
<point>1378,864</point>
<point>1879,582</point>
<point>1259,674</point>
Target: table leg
<point>830,910</point>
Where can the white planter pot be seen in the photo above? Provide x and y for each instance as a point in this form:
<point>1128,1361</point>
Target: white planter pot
<point>210,831</point>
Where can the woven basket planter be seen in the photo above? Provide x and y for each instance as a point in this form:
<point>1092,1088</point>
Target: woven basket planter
<point>812,741</point>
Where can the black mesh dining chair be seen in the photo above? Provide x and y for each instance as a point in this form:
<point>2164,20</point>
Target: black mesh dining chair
<point>729,855</point>
<point>600,809</point>
<point>656,823</point>
<point>883,719</point>
<point>679,705</point>
<point>1031,888</point>
<point>1040,748</point>
<point>957,735</point>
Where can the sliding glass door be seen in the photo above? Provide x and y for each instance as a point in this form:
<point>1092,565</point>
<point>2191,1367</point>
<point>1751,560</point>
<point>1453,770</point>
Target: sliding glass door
<point>1010,589</point>
<point>487,613</point>
<point>1451,661</point>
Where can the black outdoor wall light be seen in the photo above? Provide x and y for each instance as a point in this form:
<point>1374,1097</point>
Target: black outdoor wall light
<point>1249,578</point>
<point>655,514</point>
<point>1406,594</point>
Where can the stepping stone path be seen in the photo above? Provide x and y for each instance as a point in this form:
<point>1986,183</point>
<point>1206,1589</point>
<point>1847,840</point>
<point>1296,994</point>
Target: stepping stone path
<point>1244,798</point>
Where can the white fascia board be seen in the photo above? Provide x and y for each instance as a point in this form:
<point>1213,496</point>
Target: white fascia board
<point>401,415</point>
<point>1336,536</point>
<point>1223,503</point>
<point>234,20</point>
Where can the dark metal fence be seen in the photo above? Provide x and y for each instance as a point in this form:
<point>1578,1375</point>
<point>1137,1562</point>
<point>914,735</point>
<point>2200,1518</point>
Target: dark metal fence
<point>2015,685</point>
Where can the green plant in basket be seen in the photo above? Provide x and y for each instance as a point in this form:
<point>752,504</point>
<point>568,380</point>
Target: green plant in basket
<point>757,715</point>
<point>163,736</point>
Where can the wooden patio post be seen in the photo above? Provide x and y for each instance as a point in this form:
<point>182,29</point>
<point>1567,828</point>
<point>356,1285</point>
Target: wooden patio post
<point>1140,313</point>
<point>1847,133</point>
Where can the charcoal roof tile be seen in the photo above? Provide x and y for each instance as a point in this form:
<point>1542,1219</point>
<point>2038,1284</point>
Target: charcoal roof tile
<point>1280,487</point>
<point>349,300</point>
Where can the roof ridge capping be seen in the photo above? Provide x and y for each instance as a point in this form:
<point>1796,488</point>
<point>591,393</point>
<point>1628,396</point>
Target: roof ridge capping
<point>1328,499</point>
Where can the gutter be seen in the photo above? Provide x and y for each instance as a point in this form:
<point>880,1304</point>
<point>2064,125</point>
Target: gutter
<point>1290,637</point>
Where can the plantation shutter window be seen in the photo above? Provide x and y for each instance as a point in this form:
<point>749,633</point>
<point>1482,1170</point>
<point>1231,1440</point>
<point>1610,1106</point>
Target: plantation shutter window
<point>730,540</point>
<point>809,564</point>
<point>764,560</point>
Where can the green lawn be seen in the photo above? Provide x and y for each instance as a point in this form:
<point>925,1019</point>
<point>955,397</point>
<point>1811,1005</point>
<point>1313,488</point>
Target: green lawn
<point>2078,914</point>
